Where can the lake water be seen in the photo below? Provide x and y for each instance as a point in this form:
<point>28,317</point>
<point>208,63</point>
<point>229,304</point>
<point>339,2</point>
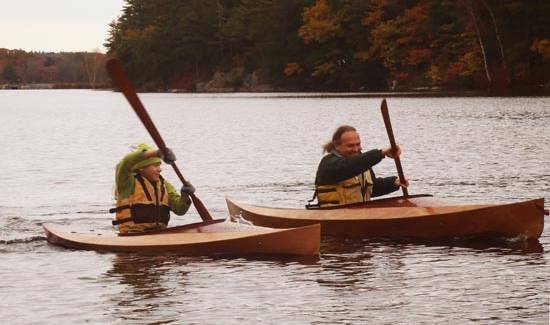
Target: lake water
<point>60,148</point>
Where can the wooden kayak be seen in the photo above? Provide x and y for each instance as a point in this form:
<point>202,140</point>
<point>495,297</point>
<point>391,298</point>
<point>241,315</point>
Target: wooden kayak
<point>418,216</point>
<point>205,238</point>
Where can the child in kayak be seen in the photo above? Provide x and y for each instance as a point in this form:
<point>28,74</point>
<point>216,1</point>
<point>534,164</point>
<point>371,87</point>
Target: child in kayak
<point>144,198</point>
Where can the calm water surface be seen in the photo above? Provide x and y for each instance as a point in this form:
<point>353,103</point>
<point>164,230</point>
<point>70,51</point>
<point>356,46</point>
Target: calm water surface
<point>60,149</point>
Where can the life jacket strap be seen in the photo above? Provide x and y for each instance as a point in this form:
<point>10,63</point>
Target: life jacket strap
<point>120,208</point>
<point>309,202</point>
<point>350,185</point>
<point>142,182</point>
<point>146,213</point>
<point>329,202</point>
<point>162,189</point>
<point>325,190</point>
<point>119,221</point>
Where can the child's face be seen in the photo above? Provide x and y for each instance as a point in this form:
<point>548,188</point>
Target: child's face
<point>152,172</point>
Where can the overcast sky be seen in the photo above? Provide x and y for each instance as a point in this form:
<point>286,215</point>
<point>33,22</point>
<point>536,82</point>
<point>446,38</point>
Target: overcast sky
<point>56,25</point>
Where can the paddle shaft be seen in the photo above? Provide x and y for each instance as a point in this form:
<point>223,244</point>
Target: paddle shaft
<point>387,122</point>
<point>125,86</point>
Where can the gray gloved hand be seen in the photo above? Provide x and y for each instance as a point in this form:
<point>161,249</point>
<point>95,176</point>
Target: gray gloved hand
<point>169,157</point>
<point>187,189</point>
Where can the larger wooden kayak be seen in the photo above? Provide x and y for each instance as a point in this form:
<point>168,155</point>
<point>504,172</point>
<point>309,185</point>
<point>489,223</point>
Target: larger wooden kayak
<point>414,216</point>
<point>206,238</point>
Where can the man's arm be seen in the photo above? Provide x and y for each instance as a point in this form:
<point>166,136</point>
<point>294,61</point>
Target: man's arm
<point>334,169</point>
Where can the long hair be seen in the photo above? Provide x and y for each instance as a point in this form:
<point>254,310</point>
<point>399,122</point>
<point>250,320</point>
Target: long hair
<point>337,137</point>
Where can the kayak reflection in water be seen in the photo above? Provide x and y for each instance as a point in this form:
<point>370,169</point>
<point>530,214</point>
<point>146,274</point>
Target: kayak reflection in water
<point>144,198</point>
<point>345,175</point>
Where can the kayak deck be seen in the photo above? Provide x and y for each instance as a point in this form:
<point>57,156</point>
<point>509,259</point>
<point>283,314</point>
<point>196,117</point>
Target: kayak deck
<point>205,238</point>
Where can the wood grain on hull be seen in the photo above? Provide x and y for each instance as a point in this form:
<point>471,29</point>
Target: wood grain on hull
<point>210,239</point>
<point>402,217</point>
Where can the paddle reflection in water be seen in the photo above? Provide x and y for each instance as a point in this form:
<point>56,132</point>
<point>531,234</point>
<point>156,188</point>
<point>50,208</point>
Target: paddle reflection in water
<point>174,289</point>
<point>147,292</point>
<point>170,288</point>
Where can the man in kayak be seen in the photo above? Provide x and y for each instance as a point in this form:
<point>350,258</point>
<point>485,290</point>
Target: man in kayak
<point>143,197</point>
<point>345,175</point>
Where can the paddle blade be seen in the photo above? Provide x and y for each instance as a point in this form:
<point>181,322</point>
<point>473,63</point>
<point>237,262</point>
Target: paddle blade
<point>122,82</point>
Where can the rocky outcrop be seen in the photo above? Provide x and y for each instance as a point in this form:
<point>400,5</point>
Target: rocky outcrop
<point>237,79</point>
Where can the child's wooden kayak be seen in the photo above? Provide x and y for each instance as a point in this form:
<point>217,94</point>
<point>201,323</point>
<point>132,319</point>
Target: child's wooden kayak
<point>416,216</point>
<point>206,238</point>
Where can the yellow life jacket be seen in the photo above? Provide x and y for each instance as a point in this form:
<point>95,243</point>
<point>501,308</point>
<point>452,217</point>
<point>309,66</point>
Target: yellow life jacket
<point>146,209</point>
<point>352,190</point>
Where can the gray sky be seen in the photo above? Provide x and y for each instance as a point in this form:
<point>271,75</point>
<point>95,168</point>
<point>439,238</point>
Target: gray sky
<point>56,25</point>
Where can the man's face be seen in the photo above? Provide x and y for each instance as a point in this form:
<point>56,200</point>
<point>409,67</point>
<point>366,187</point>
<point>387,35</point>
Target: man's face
<point>350,144</point>
<point>152,172</point>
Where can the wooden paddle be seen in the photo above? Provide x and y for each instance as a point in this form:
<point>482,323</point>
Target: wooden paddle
<point>387,122</point>
<point>123,83</point>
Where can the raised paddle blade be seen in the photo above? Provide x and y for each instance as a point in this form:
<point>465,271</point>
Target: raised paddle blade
<point>387,122</point>
<point>125,86</point>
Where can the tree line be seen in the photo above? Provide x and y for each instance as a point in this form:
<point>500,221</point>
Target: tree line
<point>65,69</point>
<point>344,45</point>
<point>310,45</point>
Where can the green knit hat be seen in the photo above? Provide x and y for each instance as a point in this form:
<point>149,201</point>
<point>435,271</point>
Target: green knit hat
<point>149,161</point>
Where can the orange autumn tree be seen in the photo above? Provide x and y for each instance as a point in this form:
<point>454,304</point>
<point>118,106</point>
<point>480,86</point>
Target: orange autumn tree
<point>541,47</point>
<point>333,34</point>
<point>421,44</point>
<point>321,25</point>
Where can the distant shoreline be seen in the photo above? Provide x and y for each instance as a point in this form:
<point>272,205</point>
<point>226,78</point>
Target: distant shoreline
<point>541,91</point>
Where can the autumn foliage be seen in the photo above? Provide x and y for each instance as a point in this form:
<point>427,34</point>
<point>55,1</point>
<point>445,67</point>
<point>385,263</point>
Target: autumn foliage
<point>345,45</point>
<point>81,70</point>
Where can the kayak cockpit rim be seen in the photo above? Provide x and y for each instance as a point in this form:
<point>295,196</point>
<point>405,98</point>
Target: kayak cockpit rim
<point>366,204</point>
<point>173,229</point>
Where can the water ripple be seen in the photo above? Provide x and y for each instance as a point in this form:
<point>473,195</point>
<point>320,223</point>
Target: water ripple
<point>265,149</point>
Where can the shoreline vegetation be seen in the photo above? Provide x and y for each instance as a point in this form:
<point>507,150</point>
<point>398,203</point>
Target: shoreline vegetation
<point>487,46</point>
<point>411,48</point>
<point>541,91</point>
<point>20,70</point>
